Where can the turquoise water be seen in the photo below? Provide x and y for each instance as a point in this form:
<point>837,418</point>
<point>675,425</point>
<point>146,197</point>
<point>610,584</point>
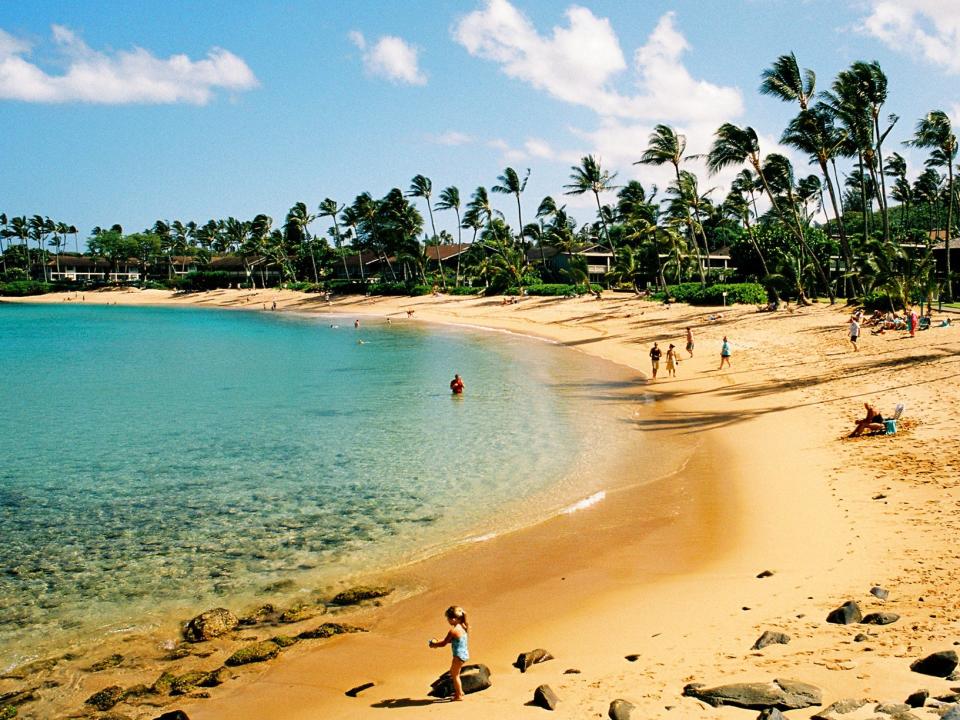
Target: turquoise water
<point>158,458</point>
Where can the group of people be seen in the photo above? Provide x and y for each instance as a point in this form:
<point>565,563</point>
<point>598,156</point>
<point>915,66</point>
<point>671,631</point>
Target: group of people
<point>673,357</point>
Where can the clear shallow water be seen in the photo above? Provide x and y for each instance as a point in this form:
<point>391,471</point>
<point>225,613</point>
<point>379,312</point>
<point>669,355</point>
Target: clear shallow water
<point>160,458</point>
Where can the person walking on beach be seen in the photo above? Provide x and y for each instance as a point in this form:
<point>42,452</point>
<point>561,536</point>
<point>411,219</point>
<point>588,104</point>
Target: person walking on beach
<point>854,333</point>
<point>672,361</point>
<point>655,354</point>
<point>914,320</point>
<point>725,353</point>
<point>456,638</point>
<point>456,385</point>
<point>690,340</point>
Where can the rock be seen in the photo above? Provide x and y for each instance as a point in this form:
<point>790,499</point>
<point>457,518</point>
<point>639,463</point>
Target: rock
<point>880,618</point>
<point>18,697</point>
<point>897,711</point>
<point>253,653</point>
<point>178,653</point>
<point>215,678</point>
<point>620,710</point>
<point>473,678</point>
<point>262,614</point>
<point>952,714</point>
<point>948,698</point>
<point>765,574</point>
<point>846,614</point>
<point>284,641</point>
<point>298,613</point>
<point>211,624</point>
<point>162,685</point>
<point>918,699</point>
<point>534,657</point>
<point>328,629</point>
<point>105,664</point>
<point>841,708</point>
<point>860,637</point>
<point>113,716</point>
<point>138,691</point>
<point>631,658</point>
<point>360,593</point>
<point>173,715</point>
<point>880,593</point>
<point>32,668</point>
<point>106,698</point>
<point>353,692</point>
<point>939,664</point>
<point>545,697</point>
<point>571,671</point>
<point>780,694</point>
<point>770,637</point>
<point>188,682</point>
<point>771,714</point>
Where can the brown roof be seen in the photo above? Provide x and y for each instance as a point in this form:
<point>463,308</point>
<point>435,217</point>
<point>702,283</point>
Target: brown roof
<point>446,251</point>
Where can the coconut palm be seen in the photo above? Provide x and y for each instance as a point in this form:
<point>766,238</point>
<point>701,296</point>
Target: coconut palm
<point>350,217</point>
<point>737,206</point>
<point>510,184</point>
<point>422,187</point>
<point>901,190</point>
<point>331,208</point>
<point>450,200</point>
<point>935,132</point>
<point>297,233</point>
<point>588,176</point>
<point>735,145</point>
<point>19,228</point>
<point>785,80</point>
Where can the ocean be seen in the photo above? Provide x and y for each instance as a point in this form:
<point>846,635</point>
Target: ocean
<point>160,461</point>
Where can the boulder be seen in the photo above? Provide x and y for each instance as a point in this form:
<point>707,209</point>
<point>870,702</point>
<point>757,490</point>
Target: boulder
<point>358,594</point>
<point>847,614</point>
<point>188,682</point>
<point>880,618</point>
<point>841,708</point>
<point>939,664</point>
<point>211,624</point>
<point>353,692</point>
<point>299,613</point>
<point>215,678</point>
<point>174,715</point>
<point>771,714</point>
<point>896,711</point>
<point>534,657</point>
<point>162,685</point>
<point>284,641</point>
<point>473,678</point>
<point>879,593</point>
<point>917,699</point>
<point>545,697</point>
<point>105,699</point>
<point>328,629</point>
<point>952,714</point>
<point>770,637</point>
<point>262,614</point>
<point>620,710</point>
<point>780,694</point>
<point>105,664</point>
<point>253,653</point>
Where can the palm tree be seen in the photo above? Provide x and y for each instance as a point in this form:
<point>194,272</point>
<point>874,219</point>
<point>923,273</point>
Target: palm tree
<point>331,208</point>
<point>254,250</point>
<point>350,217</point>
<point>3,234</point>
<point>450,200</point>
<point>935,132</point>
<point>422,187</point>
<point>665,145</point>
<point>19,227</point>
<point>297,232</point>
<point>590,177</point>
<point>785,80</point>
<point>734,146</point>
<point>901,190</point>
<point>510,184</point>
<point>737,206</point>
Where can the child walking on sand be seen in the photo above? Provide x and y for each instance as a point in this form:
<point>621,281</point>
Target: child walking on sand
<point>725,353</point>
<point>457,640</point>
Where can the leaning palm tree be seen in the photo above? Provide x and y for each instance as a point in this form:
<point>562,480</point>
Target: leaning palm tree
<point>450,200</point>
<point>901,190</point>
<point>664,146</point>
<point>296,230</point>
<point>510,184</point>
<point>422,187</point>
<point>734,145</point>
<point>785,80</point>
<point>935,132</point>
<point>588,176</point>
<point>331,208</point>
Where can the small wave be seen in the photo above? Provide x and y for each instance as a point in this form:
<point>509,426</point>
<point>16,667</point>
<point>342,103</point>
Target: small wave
<point>483,538</point>
<point>585,503</point>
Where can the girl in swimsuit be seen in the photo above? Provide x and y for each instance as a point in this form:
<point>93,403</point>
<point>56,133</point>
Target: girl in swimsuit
<point>457,640</point>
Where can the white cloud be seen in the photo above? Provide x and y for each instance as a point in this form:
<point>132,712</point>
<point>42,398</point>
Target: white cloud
<point>121,77</point>
<point>930,28</point>
<point>391,58</point>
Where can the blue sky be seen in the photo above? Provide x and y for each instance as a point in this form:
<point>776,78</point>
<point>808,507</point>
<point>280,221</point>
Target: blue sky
<point>130,112</point>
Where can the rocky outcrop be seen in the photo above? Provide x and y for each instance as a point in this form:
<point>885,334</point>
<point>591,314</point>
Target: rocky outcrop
<point>105,699</point>
<point>939,664</point>
<point>780,694</point>
<point>847,614</point>
<point>620,710</point>
<point>545,697</point>
<point>253,653</point>
<point>359,594</point>
<point>473,678</point>
<point>211,624</point>
<point>329,629</point>
<point>534,657</point>
<point>770,637</point>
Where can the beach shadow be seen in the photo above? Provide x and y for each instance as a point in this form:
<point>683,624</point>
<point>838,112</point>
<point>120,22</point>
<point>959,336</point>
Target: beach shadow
<point>394,703</point>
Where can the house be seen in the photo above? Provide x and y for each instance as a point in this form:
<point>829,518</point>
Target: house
<point>598,258</point>
<point>447,254</point>
<point>365,264</point>
<point>82,268</point>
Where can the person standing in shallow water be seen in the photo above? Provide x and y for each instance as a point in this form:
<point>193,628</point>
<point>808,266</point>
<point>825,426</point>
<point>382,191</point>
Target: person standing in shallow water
<point>457,640</point>
<point>724,353</point>
<point>456,385</point>
<point>655,354</point>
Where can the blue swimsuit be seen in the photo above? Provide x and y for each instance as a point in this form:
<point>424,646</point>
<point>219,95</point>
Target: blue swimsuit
<point>459,647</point>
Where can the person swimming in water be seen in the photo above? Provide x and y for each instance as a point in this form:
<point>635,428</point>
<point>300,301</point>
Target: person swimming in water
<point>456,385</point>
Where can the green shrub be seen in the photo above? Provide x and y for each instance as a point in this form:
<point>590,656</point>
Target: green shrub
<point>385,288</point>
<point>876,301</point>
<point>205,280</point>
<point>463,290</point>
<point>22,288</point>
<point>694,294</point>
<point>307,287</point>
<point>347,287</point>
<point>14,274</point>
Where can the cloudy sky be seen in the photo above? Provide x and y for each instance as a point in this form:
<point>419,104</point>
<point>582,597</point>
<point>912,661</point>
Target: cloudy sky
<point>130,112</point>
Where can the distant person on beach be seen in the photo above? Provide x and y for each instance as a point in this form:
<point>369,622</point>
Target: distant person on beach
<point>873,421</point>
<point>912,322</point>
<point>457,640</point>
<point>409,313</point>
<point>356,323</point>
<point>274,305</point>
<point>725,353</point>
<point>854,333</point>
<point>690,340</point>
<point>456,385</point>
<point>672,361</point>
<point>655,354</point>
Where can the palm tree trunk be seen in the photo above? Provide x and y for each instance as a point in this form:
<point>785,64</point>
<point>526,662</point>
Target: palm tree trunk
<point>844,243</point>
<point>443,277</point>
<point>693,232</point>
<point>946,237</point>
<point>603,222</point>
<point>883,181</point>
<point>459,244</point>
<point>863,198</point>
<point>313,261</point>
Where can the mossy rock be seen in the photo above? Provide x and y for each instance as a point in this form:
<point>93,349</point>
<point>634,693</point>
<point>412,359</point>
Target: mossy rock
<point>106,698</point>
<point>7,712</point>
<point>138,691</point>
<point>359,594</point>
<point>254,653</point>
<point>183,684</point>
<point>19,697</point>
<point>211,624</point>
<point>178,653</point>
<point>284,641</point>
<point>162,685</point>
<point>105,664</point>
<point>215,678</point>
<point>329,629</point>
<point>32,668</point>
<point>262,614</point>
<point>299,613</point>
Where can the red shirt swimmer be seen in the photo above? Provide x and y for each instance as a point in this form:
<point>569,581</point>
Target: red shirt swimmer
<point>456,385</point>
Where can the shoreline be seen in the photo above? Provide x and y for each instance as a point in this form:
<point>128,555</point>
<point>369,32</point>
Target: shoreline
<point>628,604</point>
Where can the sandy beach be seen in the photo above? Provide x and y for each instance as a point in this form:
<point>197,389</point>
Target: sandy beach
<point>667,570</point>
